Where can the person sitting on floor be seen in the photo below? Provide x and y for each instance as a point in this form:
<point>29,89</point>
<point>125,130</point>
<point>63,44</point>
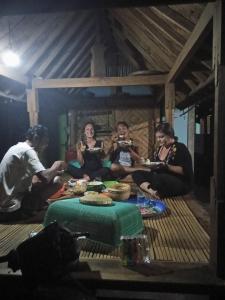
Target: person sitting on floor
<point>123,152</point>
<point>90,153</point>
<point>173,175</point>
<point>25,184</point>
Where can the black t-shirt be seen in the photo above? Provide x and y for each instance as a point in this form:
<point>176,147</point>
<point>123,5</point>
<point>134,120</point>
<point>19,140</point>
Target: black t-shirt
<point>178,155</point>
<point>92,160</point>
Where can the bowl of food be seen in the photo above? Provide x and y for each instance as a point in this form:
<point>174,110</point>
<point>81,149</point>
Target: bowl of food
<point>119,191</point>
<point>80,187</point>
<point>95,185</point>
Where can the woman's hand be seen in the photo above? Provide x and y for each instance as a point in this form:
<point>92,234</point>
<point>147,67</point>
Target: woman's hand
<point>114,138</point>
<point>81,147</point>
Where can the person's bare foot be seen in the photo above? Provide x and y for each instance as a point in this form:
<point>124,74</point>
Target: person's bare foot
<point>86,177</point>
<point>145,186</point>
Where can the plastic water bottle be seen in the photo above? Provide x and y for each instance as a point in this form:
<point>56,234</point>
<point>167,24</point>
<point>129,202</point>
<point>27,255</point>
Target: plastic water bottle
<point>140,198</point>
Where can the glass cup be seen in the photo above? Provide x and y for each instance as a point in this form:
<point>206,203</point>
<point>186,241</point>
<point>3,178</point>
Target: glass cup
<point>135,250</point>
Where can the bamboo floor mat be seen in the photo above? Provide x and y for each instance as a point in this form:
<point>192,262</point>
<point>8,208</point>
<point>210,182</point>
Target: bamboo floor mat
<point>175,236</point>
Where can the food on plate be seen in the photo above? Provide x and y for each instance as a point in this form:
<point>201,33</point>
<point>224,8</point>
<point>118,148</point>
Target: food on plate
<point>95,149</point>
<point>91,193</point>
<point>95,183</point>
<point>98,199</point>
<point>125,143</point>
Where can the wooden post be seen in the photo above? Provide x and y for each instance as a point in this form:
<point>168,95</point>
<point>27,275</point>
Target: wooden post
<point>191,133</point>
<point>169,102</point>
<point>217,193</point>
<point>33,106</point>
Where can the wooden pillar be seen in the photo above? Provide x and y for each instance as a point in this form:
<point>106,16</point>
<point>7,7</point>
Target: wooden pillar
<point>169,102</point>
<point>217,246</point>
<point>191,133</point>
<point>32,106</point>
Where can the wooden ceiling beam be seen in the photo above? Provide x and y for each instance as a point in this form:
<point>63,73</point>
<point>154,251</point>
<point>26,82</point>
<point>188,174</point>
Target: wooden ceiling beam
<point>200,76</point>
<point>140,44</point>
<point>152,46</point>
<point>193,43</point>
<point>61,46</point>
<point>162,25</point>
<point>156,35</point>
<point>85,59</point>
<point>189,99</point>
<point>99,81</point>
<point>124,48</point>
<point>83,51</point>
<point>190,83</point>
<point>47,40</point>
<point>84,70</point>
<point>175,18</point>
<point>73,48</point>
<point>34,33</point>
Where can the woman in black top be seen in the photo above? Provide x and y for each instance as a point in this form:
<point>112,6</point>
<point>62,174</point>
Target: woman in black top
<point>174,175</point>
<point>89,154</point>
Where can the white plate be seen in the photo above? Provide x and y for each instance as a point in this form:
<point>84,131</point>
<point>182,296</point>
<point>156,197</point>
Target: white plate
<point>153,164</point>
<point>95,149</point>
<point>125,143</point>
<point>95,183</point>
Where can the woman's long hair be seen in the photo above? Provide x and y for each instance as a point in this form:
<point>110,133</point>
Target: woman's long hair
<point>167,129</point>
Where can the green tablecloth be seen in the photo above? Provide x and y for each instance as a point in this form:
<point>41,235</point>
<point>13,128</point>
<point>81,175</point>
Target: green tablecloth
<point>105,224</point>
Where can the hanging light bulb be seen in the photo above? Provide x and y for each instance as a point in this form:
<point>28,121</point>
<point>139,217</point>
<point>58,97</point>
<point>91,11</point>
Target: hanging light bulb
<point>10,58</point>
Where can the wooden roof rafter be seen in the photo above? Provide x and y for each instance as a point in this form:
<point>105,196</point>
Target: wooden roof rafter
<point>191,12</point>
<point>124,48</point>
<point>53,54</point>
<point>162,25</point>
<point>47,39</point>
<point>136,29</point>
<point>82,72</point>
<point>35,29</point>
<point>192,44</point>
<point>174,17</point>
<point>72,65</point>
<point>72,48</point>
<point>141,45</point>
<point>155,34</point>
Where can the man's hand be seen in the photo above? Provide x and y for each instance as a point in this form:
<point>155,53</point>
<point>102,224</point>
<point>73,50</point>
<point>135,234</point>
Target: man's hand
<point>60,165</point>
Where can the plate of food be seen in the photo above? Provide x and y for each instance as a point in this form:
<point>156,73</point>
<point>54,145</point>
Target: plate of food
<point>148,163</point>
<point>96,199</point>
<point>148,207</point>
<point>95,149</point>
<point>125,143</point>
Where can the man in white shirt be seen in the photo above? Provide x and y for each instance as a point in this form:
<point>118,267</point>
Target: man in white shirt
<point>25,184</point>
